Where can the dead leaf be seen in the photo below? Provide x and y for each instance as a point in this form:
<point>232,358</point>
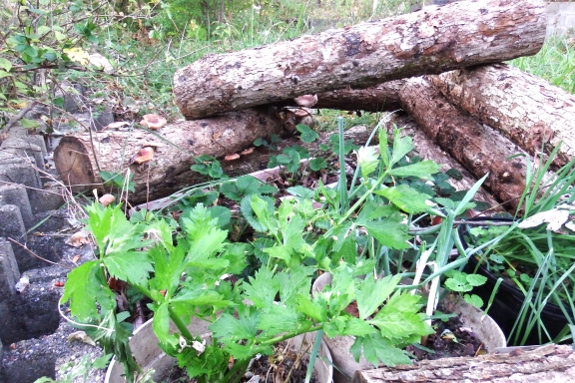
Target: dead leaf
<point>554,218</point>
<point>78,239</point>
<point>82,337</point>
<point>76,258</point>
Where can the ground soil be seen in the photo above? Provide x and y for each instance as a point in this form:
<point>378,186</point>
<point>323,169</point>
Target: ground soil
<point>451,339</point>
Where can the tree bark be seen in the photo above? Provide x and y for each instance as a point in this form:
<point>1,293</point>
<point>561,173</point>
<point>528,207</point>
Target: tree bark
<point>427,149</point>
<point>479,148</point>
<point>79,162</point>
<point>431,41</point>
<point>550,364</point>
<point>169,171</point>
<point>527,109</point>
<point>256,163</point>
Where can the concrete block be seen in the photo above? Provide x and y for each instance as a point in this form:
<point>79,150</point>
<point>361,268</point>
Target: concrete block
<point>9,273</point>
<point>13,227</point>
<point>24,148</point>
<point>15,170</point>
<point>45,200</point>
<point>38,140</point>
<point>16,195</point>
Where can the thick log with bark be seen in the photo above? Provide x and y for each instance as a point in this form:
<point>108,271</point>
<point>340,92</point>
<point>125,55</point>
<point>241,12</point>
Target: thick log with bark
<point>427,149</point>
<point>479,148</point>
<point>170,171</point>
<point>431,41</point>
<point>550,364</point>
<point>79,162</point>
<point>525,108</point>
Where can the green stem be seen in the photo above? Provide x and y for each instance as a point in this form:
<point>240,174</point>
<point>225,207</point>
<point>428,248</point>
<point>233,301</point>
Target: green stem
<point>173,316</point>
<point>281,338</point>
<point>362,198</point>
<point>179,324</point>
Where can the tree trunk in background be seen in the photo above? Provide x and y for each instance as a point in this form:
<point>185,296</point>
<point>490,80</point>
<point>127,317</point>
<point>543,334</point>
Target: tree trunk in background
<point>527,109</point>
<point>176,145</point>
<point>550,364</point>
<point>434,40</point>
<point>477,147</point>
<point>427,149</point>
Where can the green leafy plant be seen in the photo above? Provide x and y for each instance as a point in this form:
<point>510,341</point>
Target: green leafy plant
<point>460,282</point>
<point>184,273</point>
<point>208,166</point>
<point>534,253</point>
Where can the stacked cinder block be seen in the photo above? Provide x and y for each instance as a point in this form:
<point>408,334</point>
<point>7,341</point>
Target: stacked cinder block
<point>21,159</point>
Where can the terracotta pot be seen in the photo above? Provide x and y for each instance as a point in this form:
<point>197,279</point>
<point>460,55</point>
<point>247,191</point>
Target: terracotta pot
<point>148,354</point>
<point>482,325</point>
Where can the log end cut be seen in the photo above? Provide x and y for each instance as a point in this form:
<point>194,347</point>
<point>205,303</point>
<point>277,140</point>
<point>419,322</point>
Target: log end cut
<point>73,164</point>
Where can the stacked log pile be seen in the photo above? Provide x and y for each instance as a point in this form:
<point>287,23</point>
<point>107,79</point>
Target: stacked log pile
<point>442,65</point>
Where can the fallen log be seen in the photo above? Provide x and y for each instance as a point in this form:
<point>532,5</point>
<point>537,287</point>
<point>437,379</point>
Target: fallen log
<point>79,159</point>
<point>477,147</point>
<point>550,364</point>
<point>427,149</point>
<point>431,41</point>
<point>176,146</point>
<point>527,109</point>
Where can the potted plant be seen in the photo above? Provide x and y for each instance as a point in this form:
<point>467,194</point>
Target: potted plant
<point>184,271</point>
<point>528,260</point>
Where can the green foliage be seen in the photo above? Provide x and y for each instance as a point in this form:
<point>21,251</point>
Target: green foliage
<point>208,166</point>
<point>78,371</point>
<point>460,282</point>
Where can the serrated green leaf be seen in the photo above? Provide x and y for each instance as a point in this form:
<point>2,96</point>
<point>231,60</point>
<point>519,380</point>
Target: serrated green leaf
<point>368,159</point>
<point>131,266</point>
<point>85,287</point>
<point>263,214</point>
<point>392,234</point>
<point>312,308</point>
<point>5,64</point>
<point>408,199</point>
<point>161,323</point>
<point>401,146</point>
<point>317,164</point>
<point>377,348</point>
<point>423,169</point>
<point>300,191</point>
<point>373,292</point>
<point>399,318</point>
<point>232,329</point>
<point>262,288</point>
<point>308,135</point>
<point>278,318</point>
